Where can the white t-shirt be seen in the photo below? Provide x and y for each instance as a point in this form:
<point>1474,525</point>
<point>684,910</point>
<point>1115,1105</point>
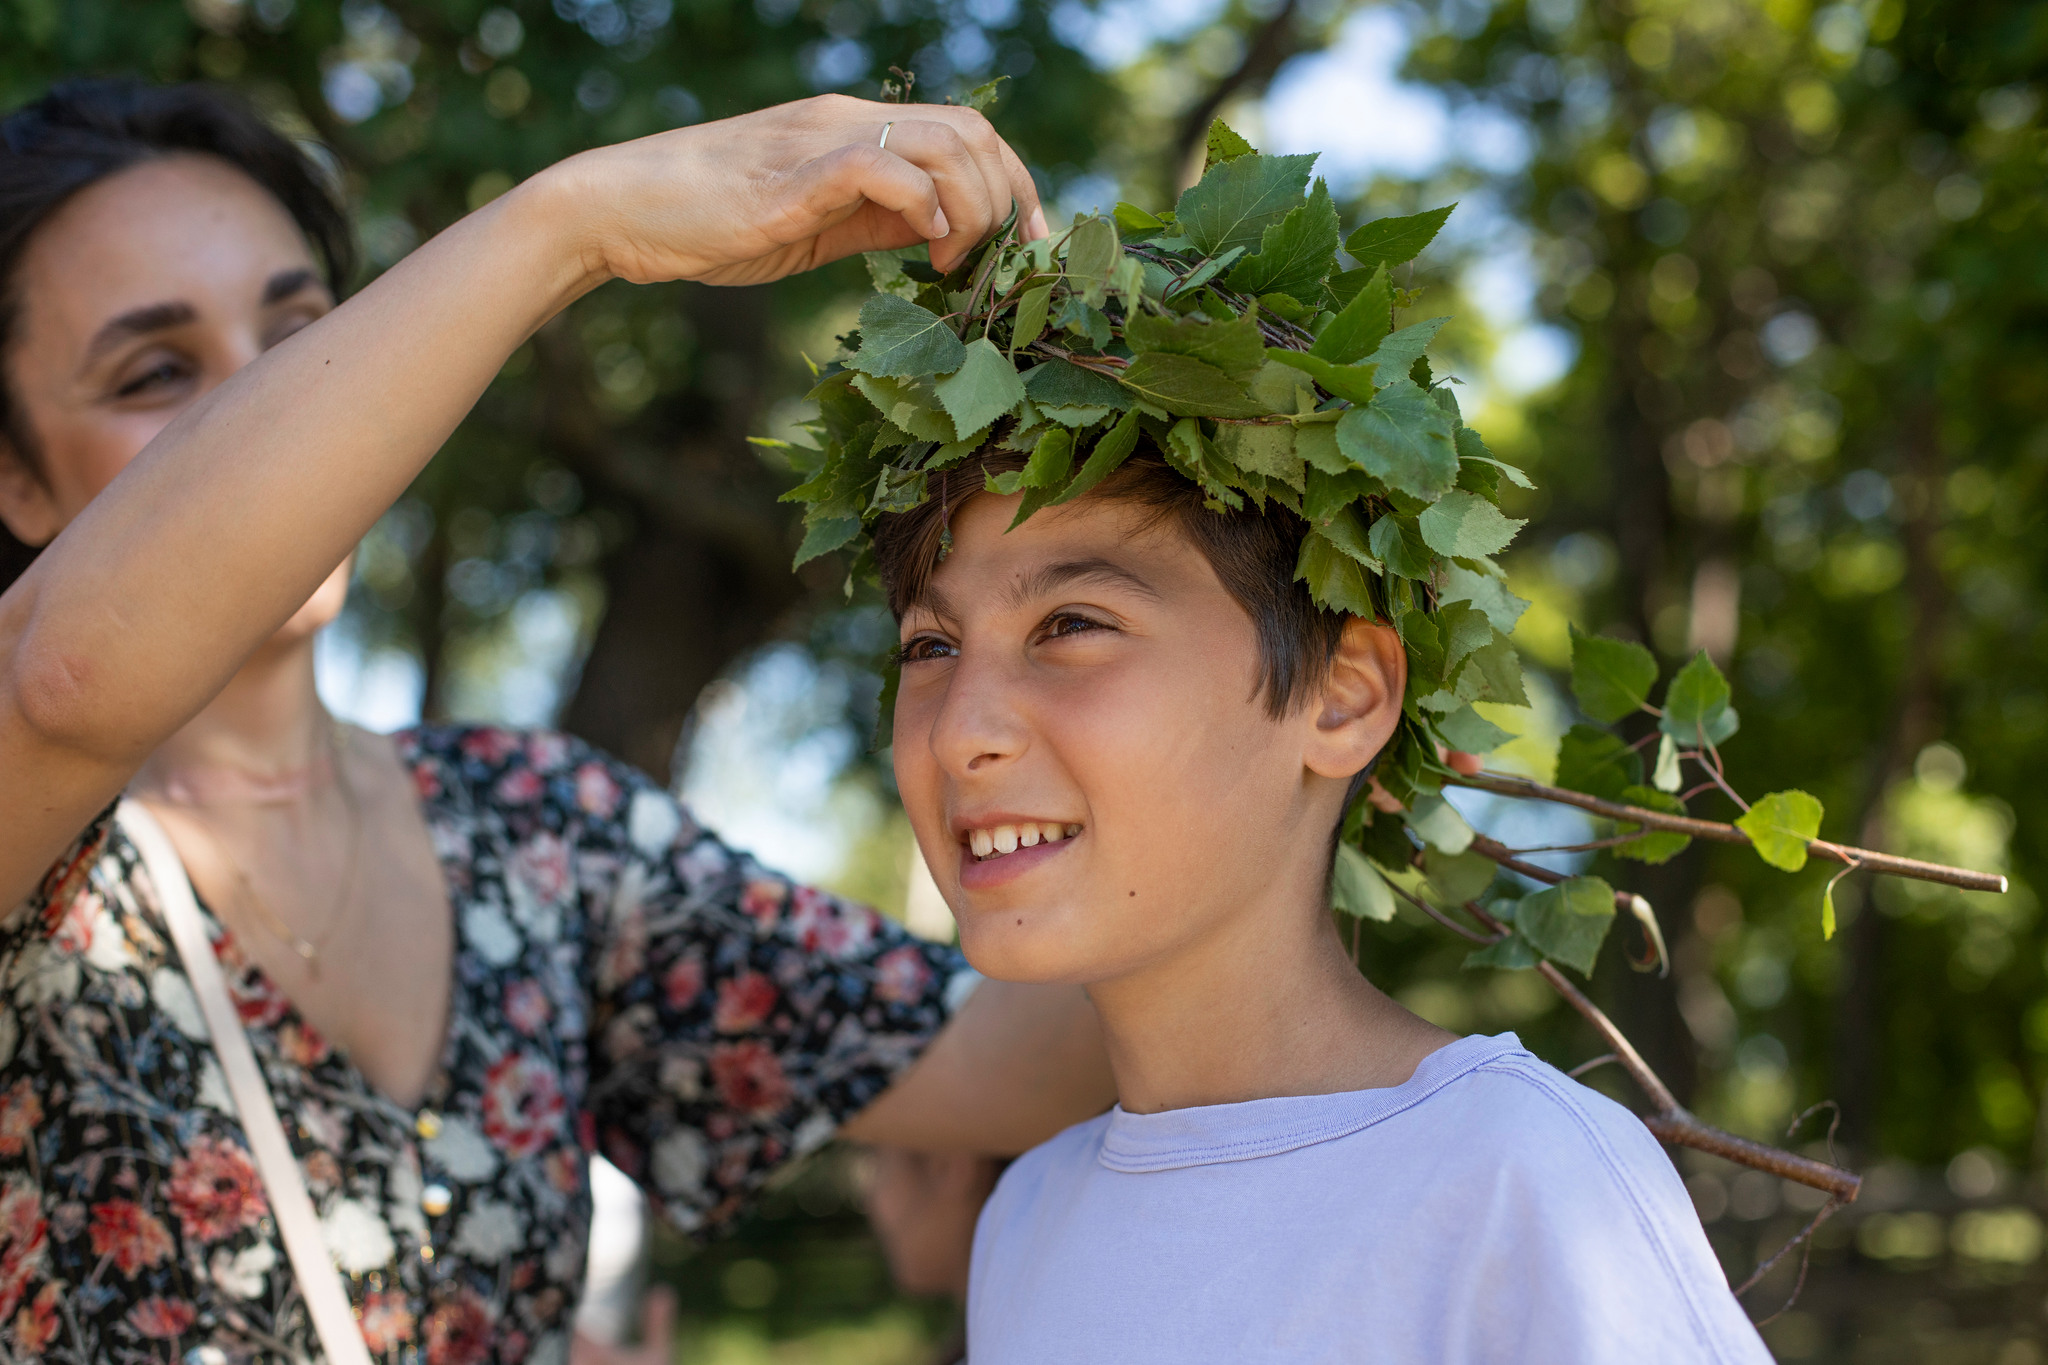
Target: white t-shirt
<point>1488,1209</point>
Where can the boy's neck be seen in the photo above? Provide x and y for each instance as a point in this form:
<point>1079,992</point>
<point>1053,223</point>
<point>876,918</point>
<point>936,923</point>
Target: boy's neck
<point>1269,1005</point>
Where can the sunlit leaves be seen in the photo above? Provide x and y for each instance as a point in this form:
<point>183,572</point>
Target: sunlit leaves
<point>1031,317</point>
<point>900,339</point>
<point>1404,439</point>
<point>1357,888</point>
<point>1361,325</point>
<point>1234,204</point>
<point>1394,241</point>
<point>1696,704</point>
<point>1465,525</point>
<point>1568,922</point>
<point>983,388</point>
<point>1610,678</point>
<point>1334,577</point>
<point>1294,254</point>
<point>1234,347</point>
<point>1780,826</point>
<point>1224,145</point>
<point>1352,382</point>
<point>1656,845</point>
<point>1183,384</point>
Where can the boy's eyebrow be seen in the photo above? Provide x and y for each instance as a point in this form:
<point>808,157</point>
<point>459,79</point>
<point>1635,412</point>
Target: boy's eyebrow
<point>1051,577</point>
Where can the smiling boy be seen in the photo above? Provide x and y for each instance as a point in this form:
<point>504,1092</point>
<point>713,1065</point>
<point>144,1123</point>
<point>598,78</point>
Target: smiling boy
<point>1184,539</point>
<point>1134,695</point>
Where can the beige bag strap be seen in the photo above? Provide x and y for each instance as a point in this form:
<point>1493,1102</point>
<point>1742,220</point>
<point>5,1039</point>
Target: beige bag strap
<point>299,1226</point>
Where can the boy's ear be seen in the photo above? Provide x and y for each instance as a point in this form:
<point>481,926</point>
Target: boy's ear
<point>1360,702</point>
<point>27,508</point>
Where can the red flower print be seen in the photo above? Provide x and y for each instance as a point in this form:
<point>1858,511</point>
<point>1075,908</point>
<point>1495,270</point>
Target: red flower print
<point>564,1168</point>
<point>387,1322</point>
<point>35,1326</point>
<point>763,900</point>
<point>23,1241</point>
<point>547,751</point>
<point>526,1006</point>
<point>826,925</point>
<point>302,1044</point>
<point>542,862</point>
<point>74,931</point>
<point>162,1318</point>
<point>683,982</point>
<point>597,791</point>
<point>130,1234</point>
<point>743,1002</point>
<point>523,1104</point>
<point>749,1077</point>
<point>520,787</point>
<point>426,780</point>
<point>255,1000</point>
<point>20,1111</point>
<point>901,975</point>
<point>459,1331</point>
<point>215,1190</point>
<point>490,746</point>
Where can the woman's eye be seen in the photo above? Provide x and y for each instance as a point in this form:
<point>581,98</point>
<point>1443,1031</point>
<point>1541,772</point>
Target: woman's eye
<point>155,377</point>
<point>923,648</point>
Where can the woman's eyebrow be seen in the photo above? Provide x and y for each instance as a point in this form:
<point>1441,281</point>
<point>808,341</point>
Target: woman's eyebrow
<point>152,317</point>
<point>1050,578</point>
<point>286,283</point>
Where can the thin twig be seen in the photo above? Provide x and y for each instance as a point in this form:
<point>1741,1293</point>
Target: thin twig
<point>1592,1064</point>
<point>1595,845</point>
<point>1440,917</point>
<point>1502,784</point>
<point>1804,1239</point>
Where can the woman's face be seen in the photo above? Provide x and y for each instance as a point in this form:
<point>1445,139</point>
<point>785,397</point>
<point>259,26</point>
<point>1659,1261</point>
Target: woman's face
<point>141,293</point>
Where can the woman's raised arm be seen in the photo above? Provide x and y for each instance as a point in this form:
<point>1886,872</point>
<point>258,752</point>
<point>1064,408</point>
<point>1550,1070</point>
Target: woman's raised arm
<point>149,601</point>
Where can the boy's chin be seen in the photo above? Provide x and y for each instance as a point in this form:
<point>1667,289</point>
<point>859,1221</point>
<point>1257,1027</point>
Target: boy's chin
<point>1040,950</point>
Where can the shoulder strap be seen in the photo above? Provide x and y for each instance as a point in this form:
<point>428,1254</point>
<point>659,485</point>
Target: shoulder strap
<point>299,1226</point>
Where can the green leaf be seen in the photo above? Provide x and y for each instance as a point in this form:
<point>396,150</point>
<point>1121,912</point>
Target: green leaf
<point>985,387</point>
<point>1398,353</point>
<point>1346,531</point>
<point>1050,463</point>
<point>909,404</point>
<point>1237,200</point>
<point>1610,677</point>
<point>1357,888</point>
<point>1466,729</point>
<point>1031,313</point>
<point>1062,384</point>
<point>1657,845</point>
<point>1133,221</point>
<point>1404,439</point>
<point>1395,241</point>
<point>1465,631</point>
<point>1664,777</point>
<point>1334,578</point>
<point>1352,382</point>
<point>1438,823</point>
<point>1510,954</point>
<point>1458,877</point>
<point>1205,272</point>
<point>1781,826</point>
<point>1224,145</point>
<point>1112,450</point>
<point>1485,592</point>
<point>1597,763</point>
<point>1235,347</point>
<point>826,535</point>
<point>1363,324</point>
<point>1187,387</point>
<point>1696,704</point>
<point>982,97</point>
<point>1494,673</point>
<point>1295,253</point>
<point>1568,922</point>
<point>1462,525</point>
<point>1395,540</point>
<point>1328,494</point>
<point>900,339</point>
<point>1262,448</point>
<point>1083,321</point>
<point>1316,443</point>
<point>1093,249</point>
<point>885,269</point>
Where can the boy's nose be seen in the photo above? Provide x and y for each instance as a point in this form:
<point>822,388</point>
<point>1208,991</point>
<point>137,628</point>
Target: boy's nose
<point>978,724</point>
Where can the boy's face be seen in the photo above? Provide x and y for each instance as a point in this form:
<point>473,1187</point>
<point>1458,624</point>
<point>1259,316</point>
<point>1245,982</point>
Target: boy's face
<point>1085,691</point>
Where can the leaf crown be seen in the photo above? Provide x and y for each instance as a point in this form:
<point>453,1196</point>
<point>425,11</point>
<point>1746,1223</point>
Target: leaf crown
<point>1227,334</point>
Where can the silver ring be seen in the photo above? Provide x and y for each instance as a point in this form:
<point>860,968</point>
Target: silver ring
<point>884,143</point>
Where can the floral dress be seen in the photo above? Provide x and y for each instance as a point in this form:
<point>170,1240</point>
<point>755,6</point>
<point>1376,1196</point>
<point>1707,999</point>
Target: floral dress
<point>624,984</point>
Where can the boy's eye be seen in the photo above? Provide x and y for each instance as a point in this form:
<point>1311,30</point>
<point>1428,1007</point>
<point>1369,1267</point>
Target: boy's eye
<point>1061,625</point>
<point>924,648</point>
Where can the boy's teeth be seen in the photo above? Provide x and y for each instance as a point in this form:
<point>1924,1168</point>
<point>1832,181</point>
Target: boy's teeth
<point>1006,838</point>
<point>979,841</point>
<point>1027,835</point>
<point>994,843</point>
<point>1072,830</point>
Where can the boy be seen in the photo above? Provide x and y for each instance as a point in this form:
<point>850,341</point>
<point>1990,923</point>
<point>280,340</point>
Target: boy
<point>1125,736</point>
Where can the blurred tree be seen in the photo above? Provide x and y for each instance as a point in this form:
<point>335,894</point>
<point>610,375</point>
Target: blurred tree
<point>1802,252</point>
<point>604,484</point>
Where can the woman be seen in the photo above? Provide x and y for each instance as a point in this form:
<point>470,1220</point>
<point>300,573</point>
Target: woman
<point>466,957</point>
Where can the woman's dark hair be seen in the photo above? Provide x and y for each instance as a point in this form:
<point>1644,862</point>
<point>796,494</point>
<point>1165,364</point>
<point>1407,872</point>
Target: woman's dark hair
<point>85,130</point>
<point>1252,551</point>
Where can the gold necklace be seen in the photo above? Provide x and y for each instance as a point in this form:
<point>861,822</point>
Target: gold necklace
<point>308,950</point>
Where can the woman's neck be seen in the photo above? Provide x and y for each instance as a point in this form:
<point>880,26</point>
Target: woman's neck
<point>1269,1005</point>
<point>265,733</point>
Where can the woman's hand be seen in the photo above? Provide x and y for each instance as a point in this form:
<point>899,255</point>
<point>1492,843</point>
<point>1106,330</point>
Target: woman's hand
<point>767,194</point>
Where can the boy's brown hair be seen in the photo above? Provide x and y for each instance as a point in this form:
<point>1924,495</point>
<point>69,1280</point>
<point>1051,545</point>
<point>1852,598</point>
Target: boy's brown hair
<point>1253,553</point>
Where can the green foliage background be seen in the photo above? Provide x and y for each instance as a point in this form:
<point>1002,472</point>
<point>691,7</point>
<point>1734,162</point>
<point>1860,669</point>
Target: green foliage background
<point>1802,254</point>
